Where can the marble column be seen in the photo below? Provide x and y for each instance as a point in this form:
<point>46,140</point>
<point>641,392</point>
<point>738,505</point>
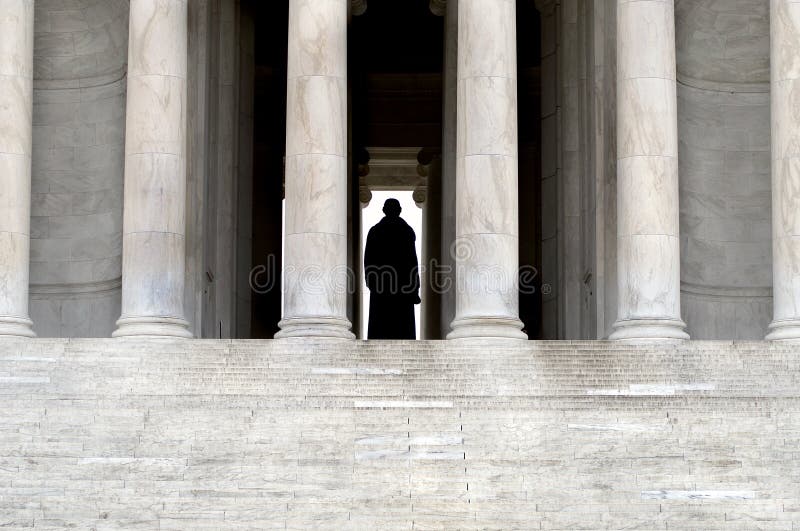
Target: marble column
<point>430,167</point>
<point>785,98</point>
<point>648,248</point>
<point>154,226</point>
<point>486,247</point>
<point>315,266</point>
<point>16,107</point>
<point>448,184</point>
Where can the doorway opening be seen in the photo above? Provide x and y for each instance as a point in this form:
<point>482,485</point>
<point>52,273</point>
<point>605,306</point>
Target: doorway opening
<point>372,214</point>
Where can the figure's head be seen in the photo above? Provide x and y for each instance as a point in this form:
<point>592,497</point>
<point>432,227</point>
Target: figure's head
<point>392,208</point>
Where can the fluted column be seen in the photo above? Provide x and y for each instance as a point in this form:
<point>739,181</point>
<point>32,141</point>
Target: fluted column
<point>486,247</point>
<point>154,227</point>
<point>785,83</point>
<point>16,107</point>
<point>315,266</point>
<point>648,248</point>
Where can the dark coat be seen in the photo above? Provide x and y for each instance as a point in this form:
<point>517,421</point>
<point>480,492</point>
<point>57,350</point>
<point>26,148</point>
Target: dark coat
<point>392,276</point>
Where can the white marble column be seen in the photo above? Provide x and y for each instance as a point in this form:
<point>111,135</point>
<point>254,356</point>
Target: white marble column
<point>154,227</point>
<point>315,265</point>
<point>785,97</point>
<point>486,247</point>
<point>648,248</point>
<point>16,107</point>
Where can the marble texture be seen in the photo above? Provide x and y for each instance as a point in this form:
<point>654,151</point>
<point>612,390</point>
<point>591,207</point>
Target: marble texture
<point>449,164</point>
<point>725,212</point>
<point>486,248</point>
<point>219,434</point>
<point>430,168</point>
<point>154,226</point>
<point>80,58</point>
<point>785,88</point>
<point>80,43</point>
<point>16,137</point>
<point>79,101</point>
<point>723,42</point>
<point>315,264</point>
<point>648,250</point>
<point>569,214</point>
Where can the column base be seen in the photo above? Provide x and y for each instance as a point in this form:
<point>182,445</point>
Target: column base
<point>649,330</point>
<point>152,327</point>
<point>487,328</point>
<point>11,326</point>
<point>320,327</point>
<point>784,330</point>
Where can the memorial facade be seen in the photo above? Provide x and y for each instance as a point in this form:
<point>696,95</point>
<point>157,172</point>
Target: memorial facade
<point>638,158</point>
<point>586,169</point>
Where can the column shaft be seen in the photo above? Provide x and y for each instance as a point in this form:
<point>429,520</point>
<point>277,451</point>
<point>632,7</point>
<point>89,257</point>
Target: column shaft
<point>785,97</point>
<point>486,248</point>
<point>154,224</point>
<point>648,248</point>
<point>449,164</point>
<point>431,311</point>
<point>16,107</point>
<point>315,265</point>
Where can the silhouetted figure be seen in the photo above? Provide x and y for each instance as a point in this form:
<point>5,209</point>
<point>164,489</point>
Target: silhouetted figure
<point>391,271</point>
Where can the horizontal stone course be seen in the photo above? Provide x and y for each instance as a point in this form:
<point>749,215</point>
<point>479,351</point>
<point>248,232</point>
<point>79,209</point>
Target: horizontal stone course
<point>142,434</point>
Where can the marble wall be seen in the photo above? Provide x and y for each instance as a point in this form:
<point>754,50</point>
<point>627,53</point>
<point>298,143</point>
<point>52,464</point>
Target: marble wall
<point>724,132</point>
<point>78,137</point>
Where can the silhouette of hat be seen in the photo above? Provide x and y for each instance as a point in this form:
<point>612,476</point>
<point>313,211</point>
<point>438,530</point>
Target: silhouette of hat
<point>392,207</point>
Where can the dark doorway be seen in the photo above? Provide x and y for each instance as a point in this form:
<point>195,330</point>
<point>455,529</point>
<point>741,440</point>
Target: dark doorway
<point>529,90</point>
<point>269,145</point>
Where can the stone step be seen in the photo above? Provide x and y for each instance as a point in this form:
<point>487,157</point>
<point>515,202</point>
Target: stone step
<point>109,434</point>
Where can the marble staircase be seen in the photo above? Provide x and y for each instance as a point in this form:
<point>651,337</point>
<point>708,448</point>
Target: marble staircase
<point>299,434</point>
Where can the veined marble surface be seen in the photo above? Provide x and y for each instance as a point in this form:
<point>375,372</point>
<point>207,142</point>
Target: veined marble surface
<point>785,75</point>
<point>16,103</point>
<point>78,152</point>
<point>154,228</point>
<point>315,275</point>
<point>648,250</point>
<point>487,247</point>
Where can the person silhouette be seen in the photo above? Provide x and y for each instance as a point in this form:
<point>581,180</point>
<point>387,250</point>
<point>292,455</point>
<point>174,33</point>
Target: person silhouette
<point>392,276</point>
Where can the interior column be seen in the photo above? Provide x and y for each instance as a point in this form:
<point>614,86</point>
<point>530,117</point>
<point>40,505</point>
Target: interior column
<point>154,226</point>
<point>315,267</point>
<point>648,247</point>
<point>446,275</point>
<point>486,248</point>
<point>16,108</point>
<point>785,97</point>
<point>430,166</point>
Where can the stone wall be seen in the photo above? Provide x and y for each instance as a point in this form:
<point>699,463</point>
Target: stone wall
<point>107,434</point>
<point>726,266</point>
<point>78,147</point>
<point>724,131</point>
